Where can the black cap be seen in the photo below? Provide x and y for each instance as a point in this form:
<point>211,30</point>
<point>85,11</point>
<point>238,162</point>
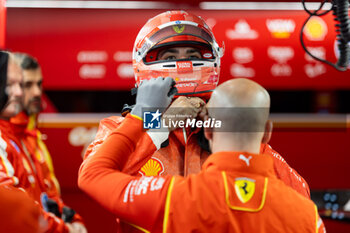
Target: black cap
<point>3,78</point>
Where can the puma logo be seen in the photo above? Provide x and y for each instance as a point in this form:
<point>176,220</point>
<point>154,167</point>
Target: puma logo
<point>245,159</point>
<point>244,188</point>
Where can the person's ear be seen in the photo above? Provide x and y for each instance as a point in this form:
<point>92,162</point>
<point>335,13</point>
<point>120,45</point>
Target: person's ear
<point>208,132</point>
<point>268,132</point>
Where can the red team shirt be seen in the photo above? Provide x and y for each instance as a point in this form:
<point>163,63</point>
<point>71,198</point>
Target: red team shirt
<point>234,192</point>
<point>25,163</point>
<point>19,213</point>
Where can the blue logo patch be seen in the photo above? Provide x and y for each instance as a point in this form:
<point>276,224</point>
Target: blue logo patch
<point>15,146</point>
<point>44,199</point>
<point>151,120</point>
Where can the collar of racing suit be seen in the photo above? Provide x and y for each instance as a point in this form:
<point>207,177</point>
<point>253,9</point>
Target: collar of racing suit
<point>183,135</point>
<point>24,124</point>
<point>241,162</point>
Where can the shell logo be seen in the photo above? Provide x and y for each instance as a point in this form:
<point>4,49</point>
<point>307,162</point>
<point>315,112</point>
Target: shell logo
<point>153,167</point>
<point>316,29</point>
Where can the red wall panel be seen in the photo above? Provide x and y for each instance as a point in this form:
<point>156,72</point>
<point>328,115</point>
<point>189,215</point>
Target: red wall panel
<point>91,49</point>
<point>2,23</point>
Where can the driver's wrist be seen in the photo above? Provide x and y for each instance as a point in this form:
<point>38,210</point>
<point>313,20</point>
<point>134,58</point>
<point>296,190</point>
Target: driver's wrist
<point>138,110</point>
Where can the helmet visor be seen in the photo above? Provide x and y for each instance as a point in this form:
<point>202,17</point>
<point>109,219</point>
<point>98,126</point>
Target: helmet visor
<point>174,33</point>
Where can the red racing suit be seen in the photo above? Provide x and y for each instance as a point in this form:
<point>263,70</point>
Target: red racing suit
<point>25,165</point>
<point>182,156</point>
<point>234,192</point>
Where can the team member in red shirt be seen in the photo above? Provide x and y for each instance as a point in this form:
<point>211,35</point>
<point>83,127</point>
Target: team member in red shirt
<point>19,168</point>
<point>18,212</point>
<point>237,189</point>
<point>25,128</point>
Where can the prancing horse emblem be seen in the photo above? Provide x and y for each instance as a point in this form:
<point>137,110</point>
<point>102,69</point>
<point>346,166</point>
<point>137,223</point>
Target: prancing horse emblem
<point>245,159</point>
<point>245,188</point>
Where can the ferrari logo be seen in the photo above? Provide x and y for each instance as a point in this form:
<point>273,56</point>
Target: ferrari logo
<point>244,188</point>
<point>179,28</point>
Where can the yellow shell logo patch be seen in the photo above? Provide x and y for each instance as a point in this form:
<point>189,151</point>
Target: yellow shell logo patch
<point>179,28</point>
<point>244,188</point>
<point>153,167</point>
